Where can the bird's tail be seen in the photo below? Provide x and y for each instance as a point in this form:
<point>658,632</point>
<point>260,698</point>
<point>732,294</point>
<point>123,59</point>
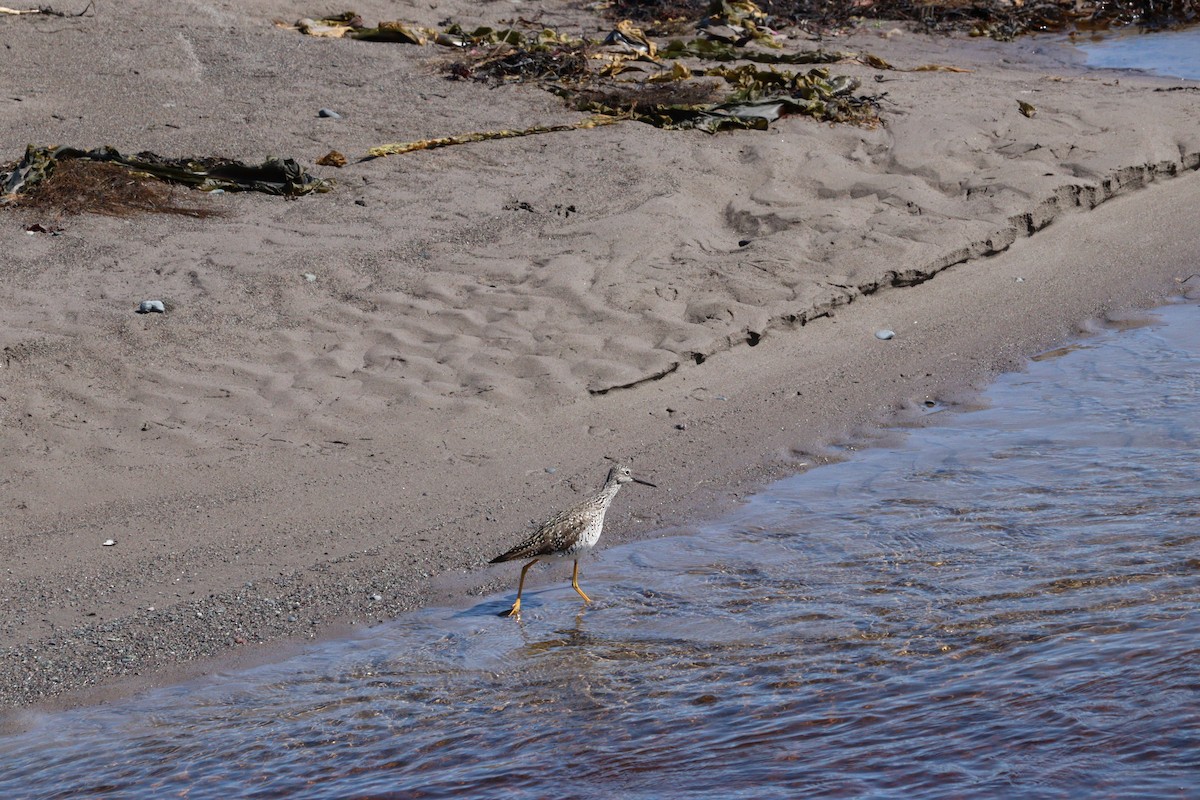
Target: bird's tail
<point>509,556</point>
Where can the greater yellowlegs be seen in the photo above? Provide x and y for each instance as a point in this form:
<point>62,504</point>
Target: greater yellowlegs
<point>570,534</point>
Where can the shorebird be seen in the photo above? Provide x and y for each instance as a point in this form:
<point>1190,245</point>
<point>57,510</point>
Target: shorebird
<point>570,534</point>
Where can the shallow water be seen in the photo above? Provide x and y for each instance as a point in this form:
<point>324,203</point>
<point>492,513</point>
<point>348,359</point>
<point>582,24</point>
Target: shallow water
<point>1005,605</point>
<point>1174,54</point>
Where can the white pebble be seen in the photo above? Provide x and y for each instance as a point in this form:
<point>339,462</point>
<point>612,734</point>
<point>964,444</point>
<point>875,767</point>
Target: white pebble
<point>884,334</point>
<point>109,542</point>
<point>148,306</point>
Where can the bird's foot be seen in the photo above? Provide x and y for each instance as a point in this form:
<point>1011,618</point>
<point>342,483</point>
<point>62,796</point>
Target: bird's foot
<point>515,611</point>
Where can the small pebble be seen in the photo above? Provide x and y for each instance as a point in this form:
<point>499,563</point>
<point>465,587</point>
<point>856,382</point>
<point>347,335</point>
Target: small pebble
<point>329,113</point>
<point>109,542</point>
<point>149,306</point>
<point>1020,280</point>
<point>376,597</point>
<point>308,276</point>
<point>551,470</point>
<point>884,334</point>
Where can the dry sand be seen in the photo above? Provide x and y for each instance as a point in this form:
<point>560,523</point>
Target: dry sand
<point>276,458</point>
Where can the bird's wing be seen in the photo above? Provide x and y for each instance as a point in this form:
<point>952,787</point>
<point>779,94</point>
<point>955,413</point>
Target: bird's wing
<point>540,541</point>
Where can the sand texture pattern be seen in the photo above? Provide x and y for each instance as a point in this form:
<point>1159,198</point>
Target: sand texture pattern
<point>355,399</point>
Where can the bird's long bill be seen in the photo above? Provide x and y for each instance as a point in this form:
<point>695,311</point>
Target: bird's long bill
<point>644,483</point>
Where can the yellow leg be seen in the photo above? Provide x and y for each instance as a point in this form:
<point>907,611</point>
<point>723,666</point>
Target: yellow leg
<point>515,611</point>
<point>575,583</point>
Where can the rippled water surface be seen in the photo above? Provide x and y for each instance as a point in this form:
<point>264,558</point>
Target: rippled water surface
<point>1175,54</point>
<point>1003,606</point>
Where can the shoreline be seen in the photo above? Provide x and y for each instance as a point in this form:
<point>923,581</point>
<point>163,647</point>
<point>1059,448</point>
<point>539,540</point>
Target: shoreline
<point>288,479</point>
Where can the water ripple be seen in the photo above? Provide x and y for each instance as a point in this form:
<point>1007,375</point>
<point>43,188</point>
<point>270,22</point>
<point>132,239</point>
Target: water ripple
<point>1006,605</point>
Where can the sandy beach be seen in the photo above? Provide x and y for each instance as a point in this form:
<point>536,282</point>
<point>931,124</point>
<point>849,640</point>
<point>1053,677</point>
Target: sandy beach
<point>355,399</point>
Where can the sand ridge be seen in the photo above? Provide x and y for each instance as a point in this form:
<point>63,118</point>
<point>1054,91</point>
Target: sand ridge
<point>274,452</point>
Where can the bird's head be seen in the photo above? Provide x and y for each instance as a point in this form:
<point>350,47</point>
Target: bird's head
<point>623,474</point>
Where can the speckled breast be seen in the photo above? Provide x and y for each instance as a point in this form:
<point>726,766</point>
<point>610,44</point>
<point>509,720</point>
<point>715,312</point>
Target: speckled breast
<point>587,538</point>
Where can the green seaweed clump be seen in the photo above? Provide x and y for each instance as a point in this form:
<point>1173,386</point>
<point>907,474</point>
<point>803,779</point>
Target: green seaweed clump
<point>274,176</point>
<point>758,98</point>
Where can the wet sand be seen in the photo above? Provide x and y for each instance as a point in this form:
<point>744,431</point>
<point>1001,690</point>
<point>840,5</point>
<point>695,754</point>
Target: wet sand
<point>277,458</point>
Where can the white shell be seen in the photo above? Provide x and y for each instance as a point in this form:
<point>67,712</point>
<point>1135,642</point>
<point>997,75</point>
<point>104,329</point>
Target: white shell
<point>884,334</point>
<point>109,542</point>
<point>147,306</point>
